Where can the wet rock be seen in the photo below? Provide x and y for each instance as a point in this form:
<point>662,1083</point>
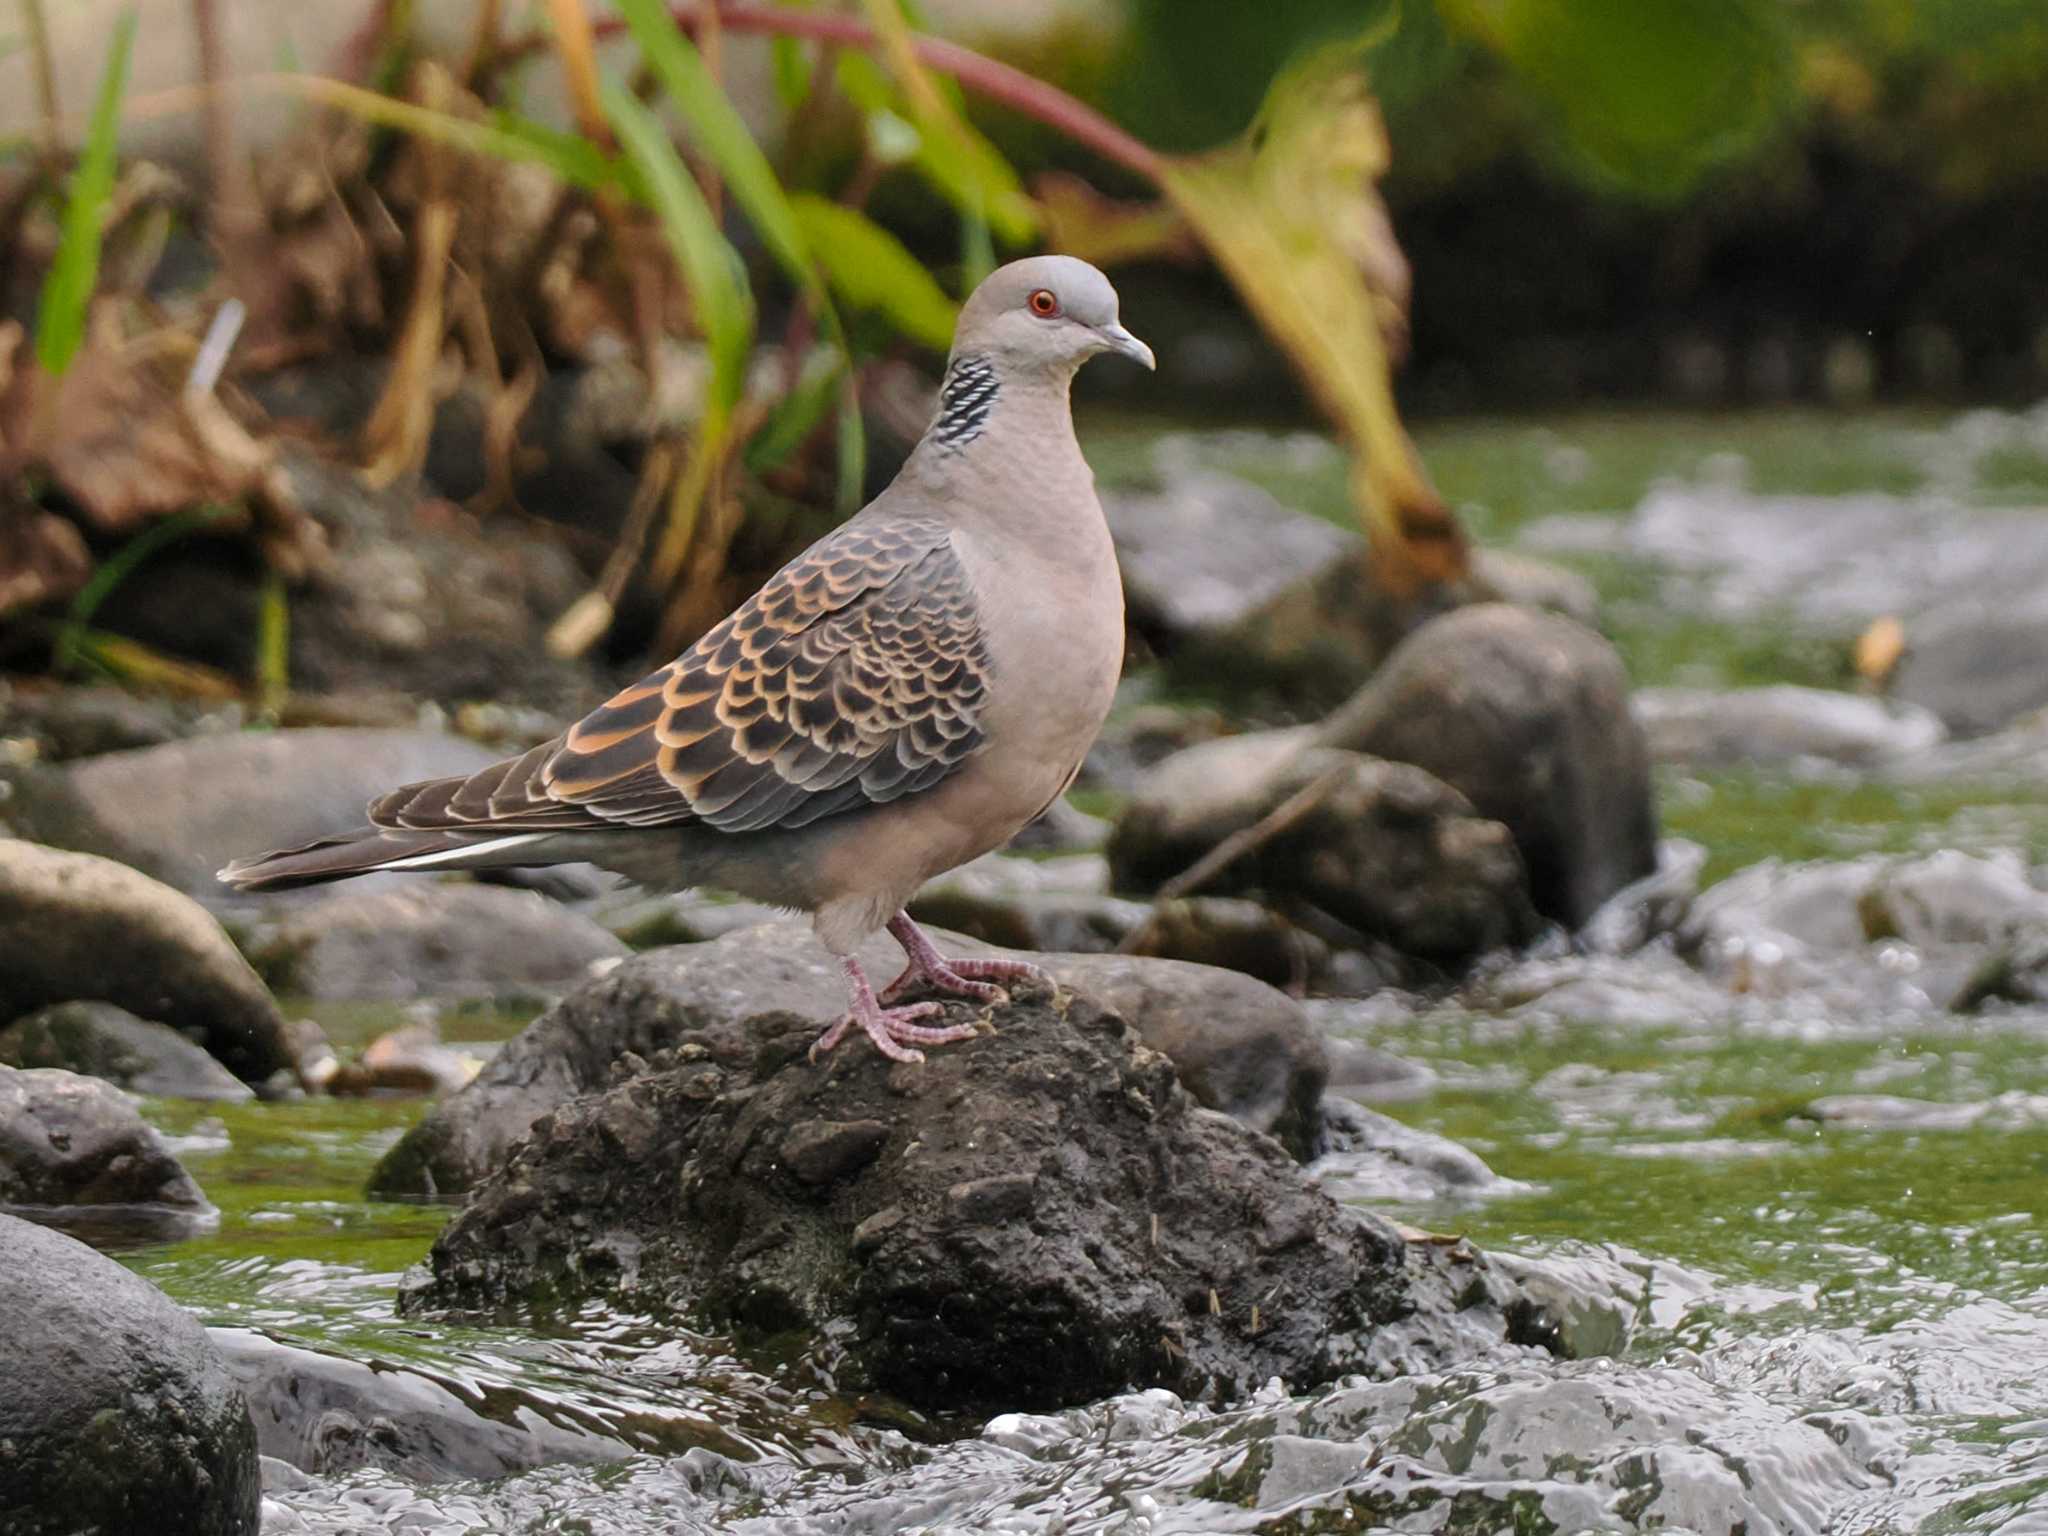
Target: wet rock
<point>1525,714</point>
<point>1384,849</point>
<point>1049,1218</point>
<point>180,811</point>
<point>116,1414</point>
<point>325,1414</point>
<point>76,927</point>
<point>428,939</point>
<point>67,1140</point>
<point>1783,725</point>
<point>1917,933</point>
<point>1651,907</point>
<point>1236,591</point>
<point>1367,1156</point>
<point>102,1041</point>
<point>716,1000</point>
<point>1978,665</point>
<point>1653,990</point>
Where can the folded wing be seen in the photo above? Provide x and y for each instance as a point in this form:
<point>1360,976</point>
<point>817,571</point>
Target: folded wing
<point>854,677</point>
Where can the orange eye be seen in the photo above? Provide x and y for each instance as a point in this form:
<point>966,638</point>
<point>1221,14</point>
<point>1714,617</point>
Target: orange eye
<point>1043,303</point>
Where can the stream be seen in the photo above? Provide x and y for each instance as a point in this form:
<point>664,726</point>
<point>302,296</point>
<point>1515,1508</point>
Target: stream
<point>1791,1319</point>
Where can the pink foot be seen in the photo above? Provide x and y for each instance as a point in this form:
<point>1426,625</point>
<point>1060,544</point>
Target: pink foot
<point>972,979</point>
<point>895,1031</point>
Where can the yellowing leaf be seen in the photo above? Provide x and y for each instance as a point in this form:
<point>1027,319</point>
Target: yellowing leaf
<point>1293,217</point>
<point>870,269</point>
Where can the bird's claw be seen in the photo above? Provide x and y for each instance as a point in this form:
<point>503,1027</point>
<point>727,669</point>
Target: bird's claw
<point>895,1031</point>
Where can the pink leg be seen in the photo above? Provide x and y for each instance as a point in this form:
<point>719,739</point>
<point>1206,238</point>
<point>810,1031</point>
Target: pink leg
<point>955,978</point>
<point>894,1030</point>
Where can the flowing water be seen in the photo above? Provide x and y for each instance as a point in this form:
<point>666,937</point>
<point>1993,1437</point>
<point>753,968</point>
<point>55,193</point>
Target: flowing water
<point>1791,1322</point>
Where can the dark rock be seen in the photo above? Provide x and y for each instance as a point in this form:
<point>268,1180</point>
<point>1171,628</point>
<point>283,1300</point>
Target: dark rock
<point>428,939</point>
<point>323,1414</point>
<point>1527,715</point>
<point>100,1040</point>
<point>414,596</point>
<point>714,1002</point>
<point>75,927</point>
<point>84,722</point>
<point>180,811</point>
<point>67,1140</point>
<point>1238,1045</point>
<point>1049,1219</point>
<point>1705,728</point>
<point>1384,849</point>
<point>117,1416</point>
<point>1978,664</point>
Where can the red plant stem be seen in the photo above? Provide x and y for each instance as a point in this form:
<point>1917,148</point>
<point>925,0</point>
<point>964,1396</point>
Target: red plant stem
<point>981,74</point>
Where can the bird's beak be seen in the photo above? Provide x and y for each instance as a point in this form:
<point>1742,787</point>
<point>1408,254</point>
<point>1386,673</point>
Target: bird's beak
<point>1117,339</point>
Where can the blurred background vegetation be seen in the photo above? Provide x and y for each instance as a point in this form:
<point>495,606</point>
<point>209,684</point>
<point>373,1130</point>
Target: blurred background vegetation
<point>663,291</point>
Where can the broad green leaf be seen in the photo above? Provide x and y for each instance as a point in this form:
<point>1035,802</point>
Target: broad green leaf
<point>67,291</point>
<point>869,268</point>
<point>718,129</point>
<point>1649,93</point>
<point>717,281</point>
<point>1293,217</point>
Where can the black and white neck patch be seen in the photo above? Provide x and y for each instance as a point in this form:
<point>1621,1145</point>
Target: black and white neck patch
<point>965,399</point>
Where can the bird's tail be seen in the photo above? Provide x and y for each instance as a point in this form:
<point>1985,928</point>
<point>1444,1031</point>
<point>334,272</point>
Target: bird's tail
<point>371,849</point>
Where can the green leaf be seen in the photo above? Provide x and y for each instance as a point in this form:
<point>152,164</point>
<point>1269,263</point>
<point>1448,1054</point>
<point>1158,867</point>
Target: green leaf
<point>569,155</point>
<point>797,415</point>
<point>722,134</point>
<point>1650,94</point>
<point>869,268</point>
<point>710,266</point>
<point>60,316</point>
<point>792,67</point>
<point>960,165</point>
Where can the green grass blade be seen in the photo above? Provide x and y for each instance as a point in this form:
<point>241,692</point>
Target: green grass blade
<point>117,568</point>
<point>60,316</point>
<point>710,266</point>
<point>722,134</point>
<point>796,416</point>
<point>869,268</point>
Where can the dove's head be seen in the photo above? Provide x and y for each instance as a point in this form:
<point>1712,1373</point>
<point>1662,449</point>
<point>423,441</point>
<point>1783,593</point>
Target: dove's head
<point>1044,313</point>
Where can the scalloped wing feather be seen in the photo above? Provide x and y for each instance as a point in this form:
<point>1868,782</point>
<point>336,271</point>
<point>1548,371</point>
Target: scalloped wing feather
<point>854,677</point>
